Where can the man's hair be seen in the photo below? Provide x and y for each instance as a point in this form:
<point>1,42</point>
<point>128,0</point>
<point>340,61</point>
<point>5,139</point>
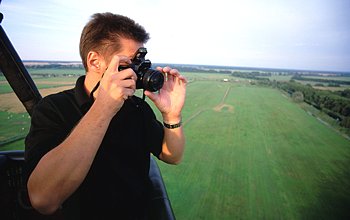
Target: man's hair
<point>103,32</point>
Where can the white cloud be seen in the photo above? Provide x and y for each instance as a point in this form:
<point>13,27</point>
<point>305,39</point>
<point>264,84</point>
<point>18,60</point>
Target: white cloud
<point>222,32</point>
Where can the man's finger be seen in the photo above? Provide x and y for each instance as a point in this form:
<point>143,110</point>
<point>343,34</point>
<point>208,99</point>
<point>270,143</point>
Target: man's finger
<point>174,72</point>
<point>126,74</point>
<point>115,62</point>
<point>128,83</point>
<point>113,65</point>
<point>152,96</point>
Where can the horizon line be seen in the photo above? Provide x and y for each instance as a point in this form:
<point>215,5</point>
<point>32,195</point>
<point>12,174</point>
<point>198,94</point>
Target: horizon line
<point>212,65</point>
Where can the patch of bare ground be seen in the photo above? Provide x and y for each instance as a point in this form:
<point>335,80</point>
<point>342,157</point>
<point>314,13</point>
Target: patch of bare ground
<point>54,83</point>
<point>9,101</point>
<point>223,107</point>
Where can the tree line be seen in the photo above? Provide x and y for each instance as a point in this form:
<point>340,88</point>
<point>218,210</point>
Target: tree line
<point>335,104</point>
<point>252,75</point>
<point>321,80</point>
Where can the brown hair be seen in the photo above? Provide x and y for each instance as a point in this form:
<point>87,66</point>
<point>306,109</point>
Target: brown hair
<point>103,32</point>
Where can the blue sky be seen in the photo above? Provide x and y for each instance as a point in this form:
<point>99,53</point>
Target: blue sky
<point>298,34</point>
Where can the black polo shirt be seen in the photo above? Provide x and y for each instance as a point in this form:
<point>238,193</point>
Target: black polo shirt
<point>117,182</point>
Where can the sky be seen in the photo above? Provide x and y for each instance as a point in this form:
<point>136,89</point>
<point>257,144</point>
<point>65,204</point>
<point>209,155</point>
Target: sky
<point>291,34</point>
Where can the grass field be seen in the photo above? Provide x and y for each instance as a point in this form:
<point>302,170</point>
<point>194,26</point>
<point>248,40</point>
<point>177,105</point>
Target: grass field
<point>13,128</point>
<point>251,153</point>
<point>261,158</point>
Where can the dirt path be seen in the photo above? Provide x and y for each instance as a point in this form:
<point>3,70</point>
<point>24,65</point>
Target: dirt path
<point>222,104</point>
<point>217,108</point>
<point>192,117</point>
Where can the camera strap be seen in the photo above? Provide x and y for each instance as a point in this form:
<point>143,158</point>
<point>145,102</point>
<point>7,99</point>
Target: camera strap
<point>143,95</point>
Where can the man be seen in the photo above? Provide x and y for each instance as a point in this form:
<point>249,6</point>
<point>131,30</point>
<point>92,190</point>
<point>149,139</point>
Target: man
<point>88,149</point>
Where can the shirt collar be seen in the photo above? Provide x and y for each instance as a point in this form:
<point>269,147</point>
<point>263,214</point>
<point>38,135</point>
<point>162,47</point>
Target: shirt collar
<point>81,96</point>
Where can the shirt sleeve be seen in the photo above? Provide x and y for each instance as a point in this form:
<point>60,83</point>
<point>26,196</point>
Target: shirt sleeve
<point>46,132</point>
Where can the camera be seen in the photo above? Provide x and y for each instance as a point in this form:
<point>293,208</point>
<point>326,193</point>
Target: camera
<point>147,78</point>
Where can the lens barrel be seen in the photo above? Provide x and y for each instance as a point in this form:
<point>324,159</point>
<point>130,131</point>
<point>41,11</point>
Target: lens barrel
<point>153,80</point>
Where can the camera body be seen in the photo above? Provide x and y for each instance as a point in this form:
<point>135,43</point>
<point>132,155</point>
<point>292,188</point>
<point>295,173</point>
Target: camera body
<point>147,78</point>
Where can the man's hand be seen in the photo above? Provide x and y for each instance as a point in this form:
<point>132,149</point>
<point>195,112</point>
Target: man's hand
<point>116,87</point>
<point>171,97</point>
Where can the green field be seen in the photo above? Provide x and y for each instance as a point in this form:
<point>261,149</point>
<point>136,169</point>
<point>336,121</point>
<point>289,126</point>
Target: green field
<point>251,153</point>
<point>13,128</point>
<point>265,159</point>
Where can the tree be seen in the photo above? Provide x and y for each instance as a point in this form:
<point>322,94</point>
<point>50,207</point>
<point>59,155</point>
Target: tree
<point>346,110</point>
<point>346,122</point>
<point>298,96</point>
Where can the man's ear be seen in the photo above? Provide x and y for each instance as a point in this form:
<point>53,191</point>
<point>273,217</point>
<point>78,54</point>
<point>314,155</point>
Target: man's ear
<point>94,62</point>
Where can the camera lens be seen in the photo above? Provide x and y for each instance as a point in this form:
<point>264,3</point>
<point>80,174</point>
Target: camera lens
<point>153,80</point>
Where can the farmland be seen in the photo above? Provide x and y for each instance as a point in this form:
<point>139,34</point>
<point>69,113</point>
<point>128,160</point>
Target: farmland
<point>263,159</point>
<point>251,153</point>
